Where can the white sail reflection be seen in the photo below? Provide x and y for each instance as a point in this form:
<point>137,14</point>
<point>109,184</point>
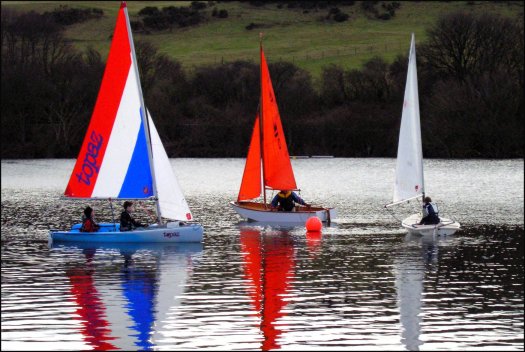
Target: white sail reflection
<point>418,254</point>
<point>175,267</point>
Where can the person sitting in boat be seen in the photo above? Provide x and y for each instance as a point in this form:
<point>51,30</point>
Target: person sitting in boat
<point>88,222</point>
<point>430,213</point>
<point>285,200</point>
<point>127,223</point>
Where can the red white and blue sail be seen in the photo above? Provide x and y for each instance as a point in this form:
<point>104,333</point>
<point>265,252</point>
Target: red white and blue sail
<point>114,161</point>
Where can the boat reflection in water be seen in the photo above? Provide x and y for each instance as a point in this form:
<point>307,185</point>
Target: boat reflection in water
<point>313,243</point>
<point>123,291</point>
<point>418,255</point>
<point>269,268</point>
<point>91,310</point>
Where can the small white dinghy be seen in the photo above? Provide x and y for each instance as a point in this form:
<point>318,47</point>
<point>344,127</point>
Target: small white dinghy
<point>409,182</point>
<point>444,228</point>
<point>122,156</point>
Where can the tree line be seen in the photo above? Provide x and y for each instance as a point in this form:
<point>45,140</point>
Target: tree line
<point>470,77</point>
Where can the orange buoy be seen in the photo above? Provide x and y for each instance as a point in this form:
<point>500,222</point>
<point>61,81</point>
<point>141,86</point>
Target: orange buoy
<point>313,224</point>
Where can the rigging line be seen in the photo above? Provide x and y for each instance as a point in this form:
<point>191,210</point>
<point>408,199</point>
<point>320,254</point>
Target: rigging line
<point>146,210</point>
<point>391,212</point>
<point>112,214</point>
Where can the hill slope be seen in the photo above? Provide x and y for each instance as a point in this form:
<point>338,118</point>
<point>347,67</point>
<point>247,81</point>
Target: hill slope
<point>292,35</point>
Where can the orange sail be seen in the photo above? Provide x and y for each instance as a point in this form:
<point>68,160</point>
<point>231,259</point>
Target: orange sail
<point>251,179</point>
<point>278,173</point>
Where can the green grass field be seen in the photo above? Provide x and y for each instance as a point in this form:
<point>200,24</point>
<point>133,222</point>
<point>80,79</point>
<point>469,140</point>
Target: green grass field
<point>289,34</point>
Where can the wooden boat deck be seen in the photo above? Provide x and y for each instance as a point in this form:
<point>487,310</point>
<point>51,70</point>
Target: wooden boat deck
<point>267,207</point>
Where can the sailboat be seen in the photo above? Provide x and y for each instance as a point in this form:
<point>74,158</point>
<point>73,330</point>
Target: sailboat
<point>122,156</point>
<point>409,183</point>
<point>268,155</point>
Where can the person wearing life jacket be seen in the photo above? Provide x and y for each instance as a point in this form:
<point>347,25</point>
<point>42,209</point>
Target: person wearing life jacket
<point>127,223</point>
<point>88,222</point>
<point>430,213</point>
<point>285,200</point>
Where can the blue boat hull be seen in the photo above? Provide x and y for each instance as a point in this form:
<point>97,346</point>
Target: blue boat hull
<point>109,232</point>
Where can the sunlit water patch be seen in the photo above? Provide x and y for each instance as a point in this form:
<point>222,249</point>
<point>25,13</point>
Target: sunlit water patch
<point>361,284</point>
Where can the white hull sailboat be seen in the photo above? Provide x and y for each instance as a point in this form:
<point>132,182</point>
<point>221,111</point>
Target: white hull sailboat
<point>122,156</point>
<point>259,212</point>
<point>444,228</point>
<point>268,165</point>
<point>409,184</point>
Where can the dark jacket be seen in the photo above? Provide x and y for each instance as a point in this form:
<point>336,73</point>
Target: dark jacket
<point>286,201</point>
<point>432,216</point>
<point>127,223</point>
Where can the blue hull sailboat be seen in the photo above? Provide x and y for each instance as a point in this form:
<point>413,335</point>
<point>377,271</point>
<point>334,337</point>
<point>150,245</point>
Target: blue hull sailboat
<point>122,156</point>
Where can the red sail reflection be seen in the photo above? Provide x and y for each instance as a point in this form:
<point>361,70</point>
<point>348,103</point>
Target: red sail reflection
<point>89,306</point>
<point>268,264</point>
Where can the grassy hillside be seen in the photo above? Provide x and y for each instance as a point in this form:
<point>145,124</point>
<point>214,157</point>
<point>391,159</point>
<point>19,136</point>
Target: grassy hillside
<point>289,34</point>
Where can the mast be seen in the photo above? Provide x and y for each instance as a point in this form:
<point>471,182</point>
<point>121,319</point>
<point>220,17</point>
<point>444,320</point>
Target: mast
<point>143,112</point>
<point>261,110</point>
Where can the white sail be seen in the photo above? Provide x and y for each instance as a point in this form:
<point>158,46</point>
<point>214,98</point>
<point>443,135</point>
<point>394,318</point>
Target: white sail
<point>172,203</point>
<point>409,168</point>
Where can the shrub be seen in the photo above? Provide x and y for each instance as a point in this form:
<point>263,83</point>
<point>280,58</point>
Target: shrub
<point>149,11</point>
<point>340,17</point>
<point>198,5</point>
<point>66,16</point>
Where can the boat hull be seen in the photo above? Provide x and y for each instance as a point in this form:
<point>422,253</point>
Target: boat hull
<point>446,227</point>
<point>108,232</point>
<point>254,211</point>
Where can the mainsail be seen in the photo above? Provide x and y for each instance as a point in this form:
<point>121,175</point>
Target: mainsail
<point>115,160</point>
<point>409,168</point>
<point>278,172</point>
<point>267,146</point>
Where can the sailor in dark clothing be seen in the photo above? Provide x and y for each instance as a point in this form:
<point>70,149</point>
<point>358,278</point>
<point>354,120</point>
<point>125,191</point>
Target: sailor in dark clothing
<point>430,213</point>
<point>127,223</point>
<point>286,200</point>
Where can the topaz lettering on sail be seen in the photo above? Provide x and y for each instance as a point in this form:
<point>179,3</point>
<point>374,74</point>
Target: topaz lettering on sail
<point>90,167</point>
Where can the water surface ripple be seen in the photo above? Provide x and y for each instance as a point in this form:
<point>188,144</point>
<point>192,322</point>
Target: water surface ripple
<point>363,284</point>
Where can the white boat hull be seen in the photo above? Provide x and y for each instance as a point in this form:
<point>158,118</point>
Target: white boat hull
<point>446,227</point>
<point>108,232</point>
<point>253,211</point>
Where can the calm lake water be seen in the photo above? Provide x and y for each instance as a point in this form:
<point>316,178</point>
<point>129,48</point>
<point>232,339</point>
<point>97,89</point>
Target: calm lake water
<point>364,284</point>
